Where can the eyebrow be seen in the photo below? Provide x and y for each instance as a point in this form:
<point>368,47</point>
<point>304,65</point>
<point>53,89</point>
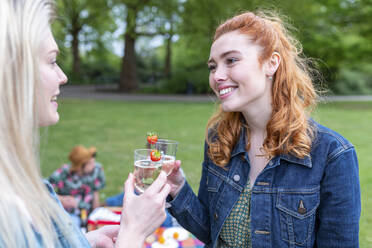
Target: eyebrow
<point>55,51</point>
<point>224,55</point>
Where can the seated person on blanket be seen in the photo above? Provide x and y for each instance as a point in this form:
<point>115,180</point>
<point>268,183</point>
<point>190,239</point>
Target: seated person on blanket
<point>78,184</point>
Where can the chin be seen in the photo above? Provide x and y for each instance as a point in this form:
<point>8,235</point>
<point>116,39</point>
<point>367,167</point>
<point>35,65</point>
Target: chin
<point>49,121</point>
<point>228,108</point>
<point>54,120</point>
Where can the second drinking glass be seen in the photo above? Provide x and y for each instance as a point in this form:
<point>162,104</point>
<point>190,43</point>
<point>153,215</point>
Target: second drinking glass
<point>168,149</point>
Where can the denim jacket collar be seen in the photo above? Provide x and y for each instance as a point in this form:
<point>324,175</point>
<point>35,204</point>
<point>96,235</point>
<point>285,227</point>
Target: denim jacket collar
<point>240,148</point>
<point>240,145</point>
<point>306,161</point>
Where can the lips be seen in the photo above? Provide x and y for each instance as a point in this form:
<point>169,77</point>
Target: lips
<point>53,101</point>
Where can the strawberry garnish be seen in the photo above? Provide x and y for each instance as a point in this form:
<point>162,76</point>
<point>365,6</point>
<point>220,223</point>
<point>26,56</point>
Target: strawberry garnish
<point>152,138</point>
<point>155,155</point>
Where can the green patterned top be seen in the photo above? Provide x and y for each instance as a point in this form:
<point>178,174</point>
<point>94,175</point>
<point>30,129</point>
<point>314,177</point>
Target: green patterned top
<point>236,230</point>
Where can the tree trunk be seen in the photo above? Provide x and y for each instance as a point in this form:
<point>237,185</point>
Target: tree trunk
<point>76,64</point>
<point>168,56</point>
<point>128,76</point>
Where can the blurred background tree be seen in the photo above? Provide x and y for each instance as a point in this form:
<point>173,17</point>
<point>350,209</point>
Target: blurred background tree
<point>84,32</point>
<point>161,46</point>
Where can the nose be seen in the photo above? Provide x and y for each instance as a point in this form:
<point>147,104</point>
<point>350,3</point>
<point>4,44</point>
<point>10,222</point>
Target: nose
<point>62,76</point>
<point>220,74</point>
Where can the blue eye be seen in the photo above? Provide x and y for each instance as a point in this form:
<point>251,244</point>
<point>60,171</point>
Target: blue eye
<point>231,60</point>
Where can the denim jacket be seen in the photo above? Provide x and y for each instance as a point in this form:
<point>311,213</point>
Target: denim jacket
<point>309,202</point>
<point>79,237</point>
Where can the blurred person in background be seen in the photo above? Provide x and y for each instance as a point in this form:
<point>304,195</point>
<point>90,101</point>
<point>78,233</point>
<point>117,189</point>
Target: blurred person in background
<point>78,184</point>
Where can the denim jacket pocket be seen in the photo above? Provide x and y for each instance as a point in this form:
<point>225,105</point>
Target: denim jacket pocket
<point>297,208</point>
<point>214,180</point>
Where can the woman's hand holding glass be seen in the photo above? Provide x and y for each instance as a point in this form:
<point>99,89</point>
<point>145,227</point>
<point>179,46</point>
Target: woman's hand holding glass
<point>176,179</point>
<point>143,213</point>
<point>146,170</point>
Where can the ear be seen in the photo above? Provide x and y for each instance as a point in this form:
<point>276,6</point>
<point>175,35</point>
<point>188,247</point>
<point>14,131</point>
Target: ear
<point>272,64</point>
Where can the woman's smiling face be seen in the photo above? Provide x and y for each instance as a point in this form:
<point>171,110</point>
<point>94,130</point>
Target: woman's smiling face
<point>51,78</point>
<point>236,76</point>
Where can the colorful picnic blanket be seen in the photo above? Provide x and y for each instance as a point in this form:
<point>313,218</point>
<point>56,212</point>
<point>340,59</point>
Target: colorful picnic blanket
<point>169,235</point>
<point>172,237</point>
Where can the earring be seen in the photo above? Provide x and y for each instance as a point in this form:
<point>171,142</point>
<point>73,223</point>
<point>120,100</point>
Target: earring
<point>270,77</point>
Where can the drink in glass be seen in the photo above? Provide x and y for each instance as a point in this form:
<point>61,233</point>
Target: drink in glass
<point>168,149</point>
<point>145,170</point>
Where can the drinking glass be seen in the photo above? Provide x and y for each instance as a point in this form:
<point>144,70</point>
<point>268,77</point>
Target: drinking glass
<point>168,149</point>
<point>145,170</point>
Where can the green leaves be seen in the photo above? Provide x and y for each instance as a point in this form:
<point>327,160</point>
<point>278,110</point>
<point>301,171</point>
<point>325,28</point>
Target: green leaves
<point>336,32</point>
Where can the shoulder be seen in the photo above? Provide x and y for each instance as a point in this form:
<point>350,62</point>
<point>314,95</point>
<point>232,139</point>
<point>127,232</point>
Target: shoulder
<point>98,166</point>
<point>51,191</point>
<point>60,174</point>
<point>49,187</point>
<point>212,134</point>
<point>64,169</point>
<point>98,172</point>
<point>329,141</point>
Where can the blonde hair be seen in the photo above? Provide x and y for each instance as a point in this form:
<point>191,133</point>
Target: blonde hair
<point>293,94</point>
<point>26,206</point>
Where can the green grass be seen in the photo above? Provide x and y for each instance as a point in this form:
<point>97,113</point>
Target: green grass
<point>117,128</point>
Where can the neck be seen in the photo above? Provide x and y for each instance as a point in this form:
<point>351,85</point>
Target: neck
<point>257,118</point>
<point>258,113</point>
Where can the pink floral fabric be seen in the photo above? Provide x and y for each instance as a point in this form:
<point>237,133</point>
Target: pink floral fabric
<point>81,187</point>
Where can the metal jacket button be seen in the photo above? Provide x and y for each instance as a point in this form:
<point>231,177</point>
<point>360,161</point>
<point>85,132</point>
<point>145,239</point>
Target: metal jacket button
<point>215,216</point>
<point>301,208</point>
<point>236,178</point>
<point>271,163</point>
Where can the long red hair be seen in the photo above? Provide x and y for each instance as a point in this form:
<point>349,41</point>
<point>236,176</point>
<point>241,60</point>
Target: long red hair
<point>293,93</point>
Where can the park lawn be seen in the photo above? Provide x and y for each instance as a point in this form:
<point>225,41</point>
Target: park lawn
<point>117,128</point>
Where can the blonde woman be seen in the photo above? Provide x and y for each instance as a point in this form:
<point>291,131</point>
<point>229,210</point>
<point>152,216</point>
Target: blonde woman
<point>271,176</point>
<point>30,213</point>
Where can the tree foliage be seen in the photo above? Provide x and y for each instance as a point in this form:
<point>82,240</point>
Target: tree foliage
<point>337,33</point>
<point>82,24</point>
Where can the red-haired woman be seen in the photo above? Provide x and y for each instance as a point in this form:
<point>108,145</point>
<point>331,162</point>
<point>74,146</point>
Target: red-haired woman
<point>272,176</point>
